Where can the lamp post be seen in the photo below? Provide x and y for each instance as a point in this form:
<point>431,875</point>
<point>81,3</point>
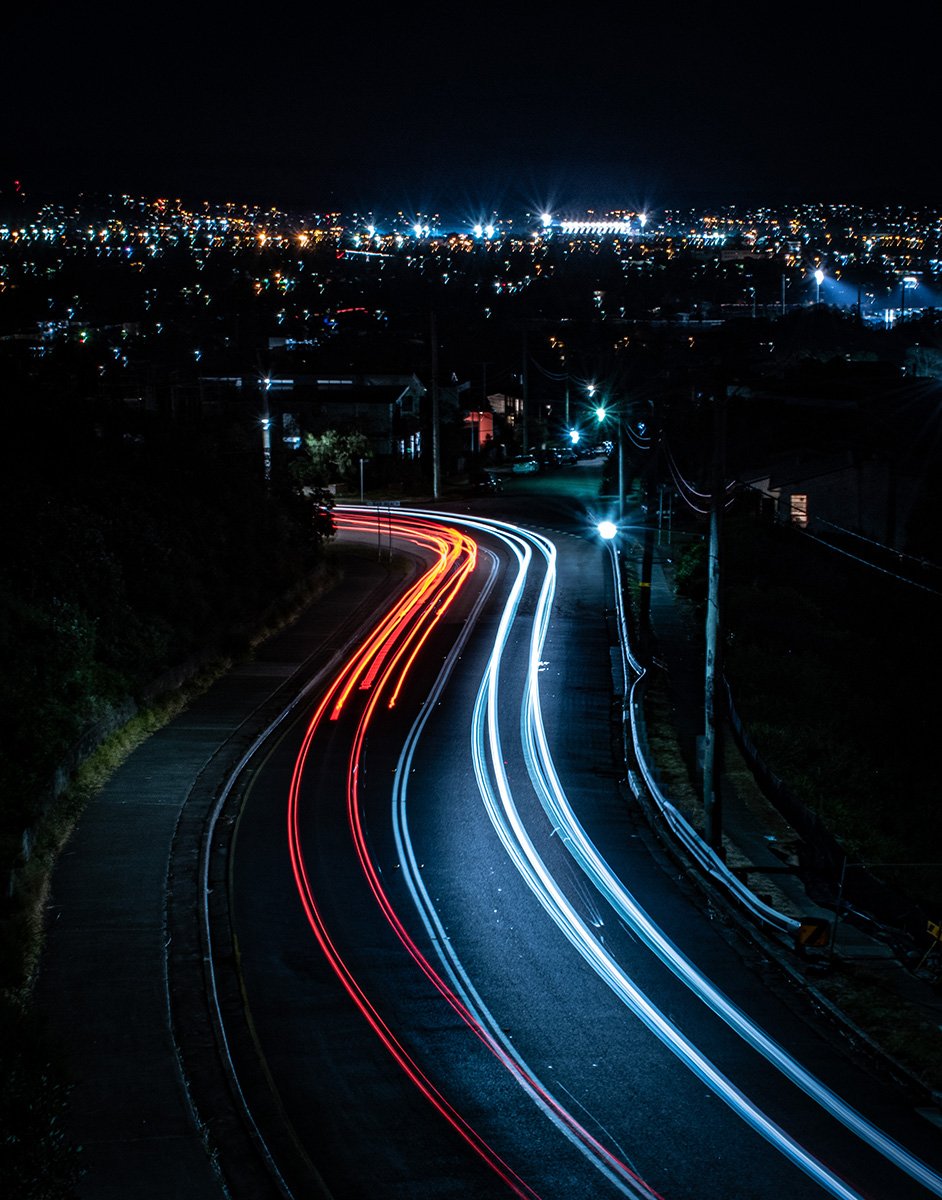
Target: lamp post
<point>907,281</point>
<point>602,414</point>
<point>266,431</point>
<point>818,280</point>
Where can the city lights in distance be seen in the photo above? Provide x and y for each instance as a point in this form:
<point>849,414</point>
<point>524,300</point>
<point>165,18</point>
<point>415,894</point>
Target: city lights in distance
<point>603,227</point>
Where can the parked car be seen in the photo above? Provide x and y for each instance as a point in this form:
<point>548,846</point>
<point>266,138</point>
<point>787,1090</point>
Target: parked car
<point>524,464</point>
<point>487,484</point>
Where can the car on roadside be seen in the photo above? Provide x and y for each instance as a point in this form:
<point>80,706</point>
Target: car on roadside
<point>487,484</point>
<point>524,464</point>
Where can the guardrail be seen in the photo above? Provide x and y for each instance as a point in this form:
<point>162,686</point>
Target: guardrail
<point>684,833</point>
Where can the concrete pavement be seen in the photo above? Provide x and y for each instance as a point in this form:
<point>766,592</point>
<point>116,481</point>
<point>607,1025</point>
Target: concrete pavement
<point>103,983</point>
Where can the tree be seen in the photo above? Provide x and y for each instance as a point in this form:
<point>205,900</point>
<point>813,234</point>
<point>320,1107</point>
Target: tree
<point>330,457</point>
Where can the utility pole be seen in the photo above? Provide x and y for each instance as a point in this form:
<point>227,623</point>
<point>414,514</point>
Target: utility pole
<point>524,430</point>
<point>485,407</point>
<point>436,419</point>
<point>712,799</point>
<point>649,483</point>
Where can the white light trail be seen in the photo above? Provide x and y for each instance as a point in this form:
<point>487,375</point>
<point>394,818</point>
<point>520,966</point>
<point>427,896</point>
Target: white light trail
<point>623,1179</point>
<point>510,829</point>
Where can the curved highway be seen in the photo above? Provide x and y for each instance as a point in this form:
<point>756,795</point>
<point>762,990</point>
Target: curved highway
<point>467,970</point>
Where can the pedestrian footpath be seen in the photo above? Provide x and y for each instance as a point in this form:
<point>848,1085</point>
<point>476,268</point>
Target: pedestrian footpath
<point>103,985</point>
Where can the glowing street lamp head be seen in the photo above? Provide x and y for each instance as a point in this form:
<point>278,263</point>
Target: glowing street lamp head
<point>574,436</point>
<point>600,413</point>
<point>819,277</point>
<point>607,530</point>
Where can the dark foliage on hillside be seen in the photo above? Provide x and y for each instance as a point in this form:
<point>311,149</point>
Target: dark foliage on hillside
<point>831,668</point>
<point>127,545</point>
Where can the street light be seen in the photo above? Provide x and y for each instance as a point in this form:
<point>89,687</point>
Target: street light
<point>266,429</point>
<point>602,413</point>
<point>607,530</point>
<point>818,280</point>
<point>907,281</point>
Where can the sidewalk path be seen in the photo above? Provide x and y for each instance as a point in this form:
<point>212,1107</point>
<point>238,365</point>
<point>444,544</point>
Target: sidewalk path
<point>102,985</point>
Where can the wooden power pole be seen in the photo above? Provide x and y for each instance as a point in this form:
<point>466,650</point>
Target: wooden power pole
<point>712,799</point>
<point>436,416</point>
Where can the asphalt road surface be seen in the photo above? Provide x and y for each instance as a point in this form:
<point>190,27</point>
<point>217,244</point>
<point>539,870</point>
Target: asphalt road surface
<point>438,998</point>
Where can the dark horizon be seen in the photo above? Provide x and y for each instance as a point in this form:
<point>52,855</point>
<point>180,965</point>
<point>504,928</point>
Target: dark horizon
<point>319,114</point>
<point>458,204</point>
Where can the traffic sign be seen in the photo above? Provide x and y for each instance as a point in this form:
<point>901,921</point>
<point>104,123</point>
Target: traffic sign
<point>813,932</point>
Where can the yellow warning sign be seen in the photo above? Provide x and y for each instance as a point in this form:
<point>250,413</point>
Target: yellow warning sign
<point>813,932</point>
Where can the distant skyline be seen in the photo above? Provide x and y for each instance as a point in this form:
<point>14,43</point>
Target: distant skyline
<point>441,109</point>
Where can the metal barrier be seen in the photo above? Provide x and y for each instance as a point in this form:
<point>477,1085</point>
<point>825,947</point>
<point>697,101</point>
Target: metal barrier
<point>684,833</point>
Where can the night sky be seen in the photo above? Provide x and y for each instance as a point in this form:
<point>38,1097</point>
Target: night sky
<point>444,108</point>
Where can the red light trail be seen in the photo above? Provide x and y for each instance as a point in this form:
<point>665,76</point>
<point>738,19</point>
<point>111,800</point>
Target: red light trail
<point>405,628</point>
<point>380,664</point>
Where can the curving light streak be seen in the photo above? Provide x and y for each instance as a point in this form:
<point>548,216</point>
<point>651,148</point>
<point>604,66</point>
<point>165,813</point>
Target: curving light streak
<point>382,641</point>
<point>510,829</point>
<point>382,647</point>
<point>513,835</point>
<point>546,783</point>
<point>462,990</point>
<point>555,803</point>
<point>419,608</point>
<point>463,1003</point>
<point>458,1005</point>
<point>380,671</point>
